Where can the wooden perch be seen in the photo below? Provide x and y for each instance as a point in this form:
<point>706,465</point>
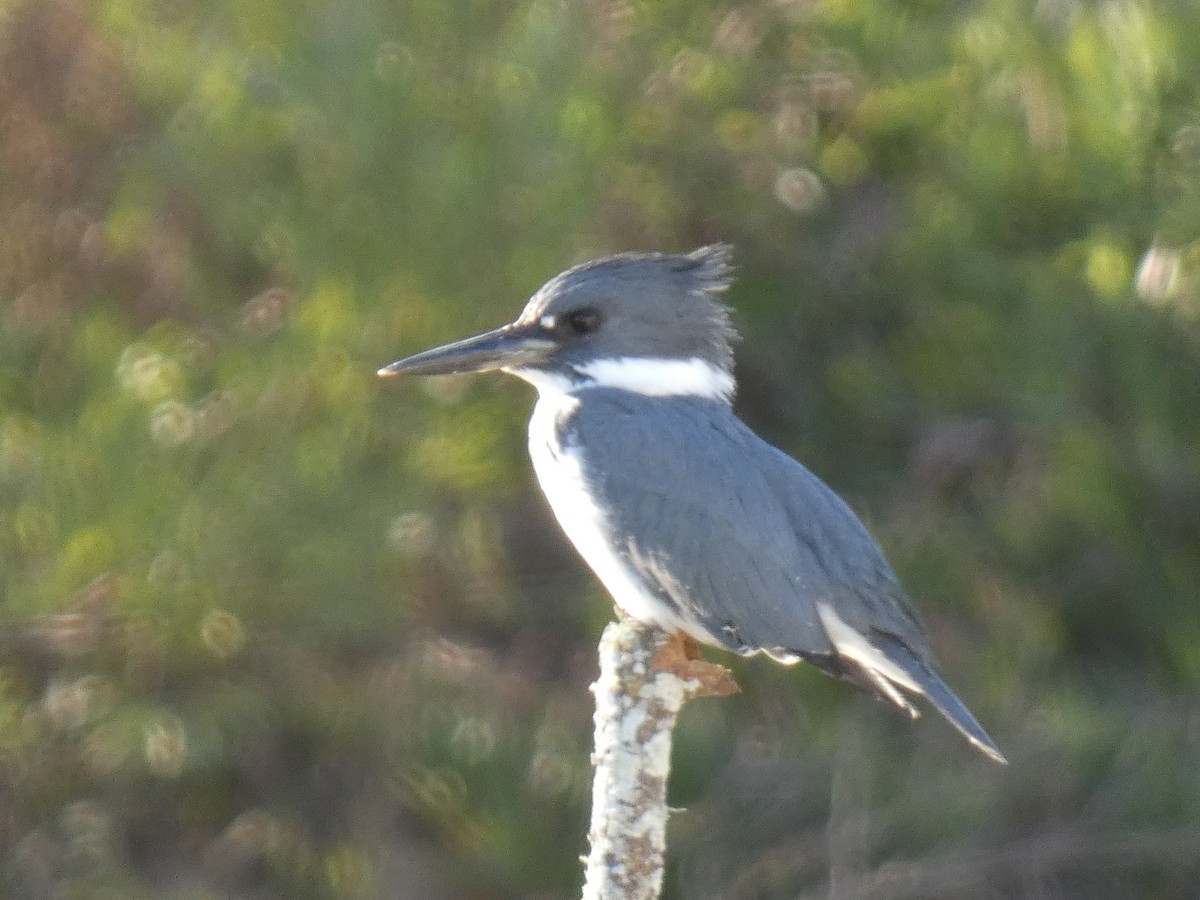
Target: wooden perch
<point>645,678</point>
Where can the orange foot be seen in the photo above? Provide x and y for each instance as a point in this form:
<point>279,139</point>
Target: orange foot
<point>681,656</point>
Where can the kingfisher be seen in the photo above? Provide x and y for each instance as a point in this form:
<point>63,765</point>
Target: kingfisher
<point>690,520</point>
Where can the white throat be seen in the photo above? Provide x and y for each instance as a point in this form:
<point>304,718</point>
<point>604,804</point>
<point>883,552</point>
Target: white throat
<point>648,376</point>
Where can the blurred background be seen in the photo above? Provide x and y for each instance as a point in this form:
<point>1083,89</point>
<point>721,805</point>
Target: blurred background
<point>271,628</point>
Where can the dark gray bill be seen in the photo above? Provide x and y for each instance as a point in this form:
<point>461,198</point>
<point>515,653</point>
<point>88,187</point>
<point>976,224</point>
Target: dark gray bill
<point>510,347</point>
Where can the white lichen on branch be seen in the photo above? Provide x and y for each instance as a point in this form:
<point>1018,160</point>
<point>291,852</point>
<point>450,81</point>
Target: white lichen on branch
<point>645,678</point>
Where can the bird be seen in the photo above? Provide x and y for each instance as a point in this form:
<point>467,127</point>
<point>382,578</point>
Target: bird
<point>689,519</point>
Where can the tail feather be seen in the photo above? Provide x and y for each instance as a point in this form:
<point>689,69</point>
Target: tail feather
<point>940,695</point>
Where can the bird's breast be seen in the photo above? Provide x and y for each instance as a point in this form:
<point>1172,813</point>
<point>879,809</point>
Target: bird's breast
<point>563,470</point>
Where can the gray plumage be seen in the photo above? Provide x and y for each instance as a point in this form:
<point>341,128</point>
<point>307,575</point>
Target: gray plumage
<point>746,559</point>
<point>629,288</point>
<point>690,519</point>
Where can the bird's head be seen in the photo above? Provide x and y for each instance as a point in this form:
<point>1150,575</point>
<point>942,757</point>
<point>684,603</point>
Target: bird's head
<point>649,322</point>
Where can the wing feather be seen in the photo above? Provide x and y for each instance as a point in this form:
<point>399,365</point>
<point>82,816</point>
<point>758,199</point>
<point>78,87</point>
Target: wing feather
<point>720,542</point>
<point>752,548</point>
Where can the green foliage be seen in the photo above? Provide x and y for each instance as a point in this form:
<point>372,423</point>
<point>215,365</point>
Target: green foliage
<point>274,629</point>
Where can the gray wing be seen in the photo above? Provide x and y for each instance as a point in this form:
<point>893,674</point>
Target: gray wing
<point>752,547</point>
<point>741,536</point>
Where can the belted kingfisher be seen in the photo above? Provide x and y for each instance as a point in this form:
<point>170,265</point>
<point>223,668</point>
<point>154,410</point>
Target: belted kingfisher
<point>689,519</point>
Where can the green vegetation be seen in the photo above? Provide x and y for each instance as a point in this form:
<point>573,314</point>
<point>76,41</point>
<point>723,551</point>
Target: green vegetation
<point>273,629</point>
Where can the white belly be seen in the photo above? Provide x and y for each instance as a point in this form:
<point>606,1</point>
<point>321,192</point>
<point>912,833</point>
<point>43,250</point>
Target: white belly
<point>560,472</point>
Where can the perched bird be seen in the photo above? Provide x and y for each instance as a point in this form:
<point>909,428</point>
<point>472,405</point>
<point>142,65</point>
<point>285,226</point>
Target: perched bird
<point>691,521</point>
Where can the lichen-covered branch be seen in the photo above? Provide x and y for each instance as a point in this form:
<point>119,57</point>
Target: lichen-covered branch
<point>645,678</point>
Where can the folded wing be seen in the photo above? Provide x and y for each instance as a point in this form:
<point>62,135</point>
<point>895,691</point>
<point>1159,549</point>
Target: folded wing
<point>753,548</point>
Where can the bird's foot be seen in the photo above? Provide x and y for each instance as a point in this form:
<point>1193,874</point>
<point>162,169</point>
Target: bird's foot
<point>681,657</point>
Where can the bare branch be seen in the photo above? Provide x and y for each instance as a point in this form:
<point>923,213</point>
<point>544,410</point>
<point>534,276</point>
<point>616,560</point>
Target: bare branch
<point>645,678</point>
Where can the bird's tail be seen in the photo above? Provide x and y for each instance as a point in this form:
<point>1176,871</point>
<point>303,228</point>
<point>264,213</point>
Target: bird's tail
<point>939,694</point>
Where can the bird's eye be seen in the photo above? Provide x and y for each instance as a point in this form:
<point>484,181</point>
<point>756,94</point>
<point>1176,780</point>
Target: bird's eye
<point>582,321</point>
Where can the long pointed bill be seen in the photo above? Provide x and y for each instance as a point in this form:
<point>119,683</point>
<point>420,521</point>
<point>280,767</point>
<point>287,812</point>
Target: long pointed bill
<point>510,347</point>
